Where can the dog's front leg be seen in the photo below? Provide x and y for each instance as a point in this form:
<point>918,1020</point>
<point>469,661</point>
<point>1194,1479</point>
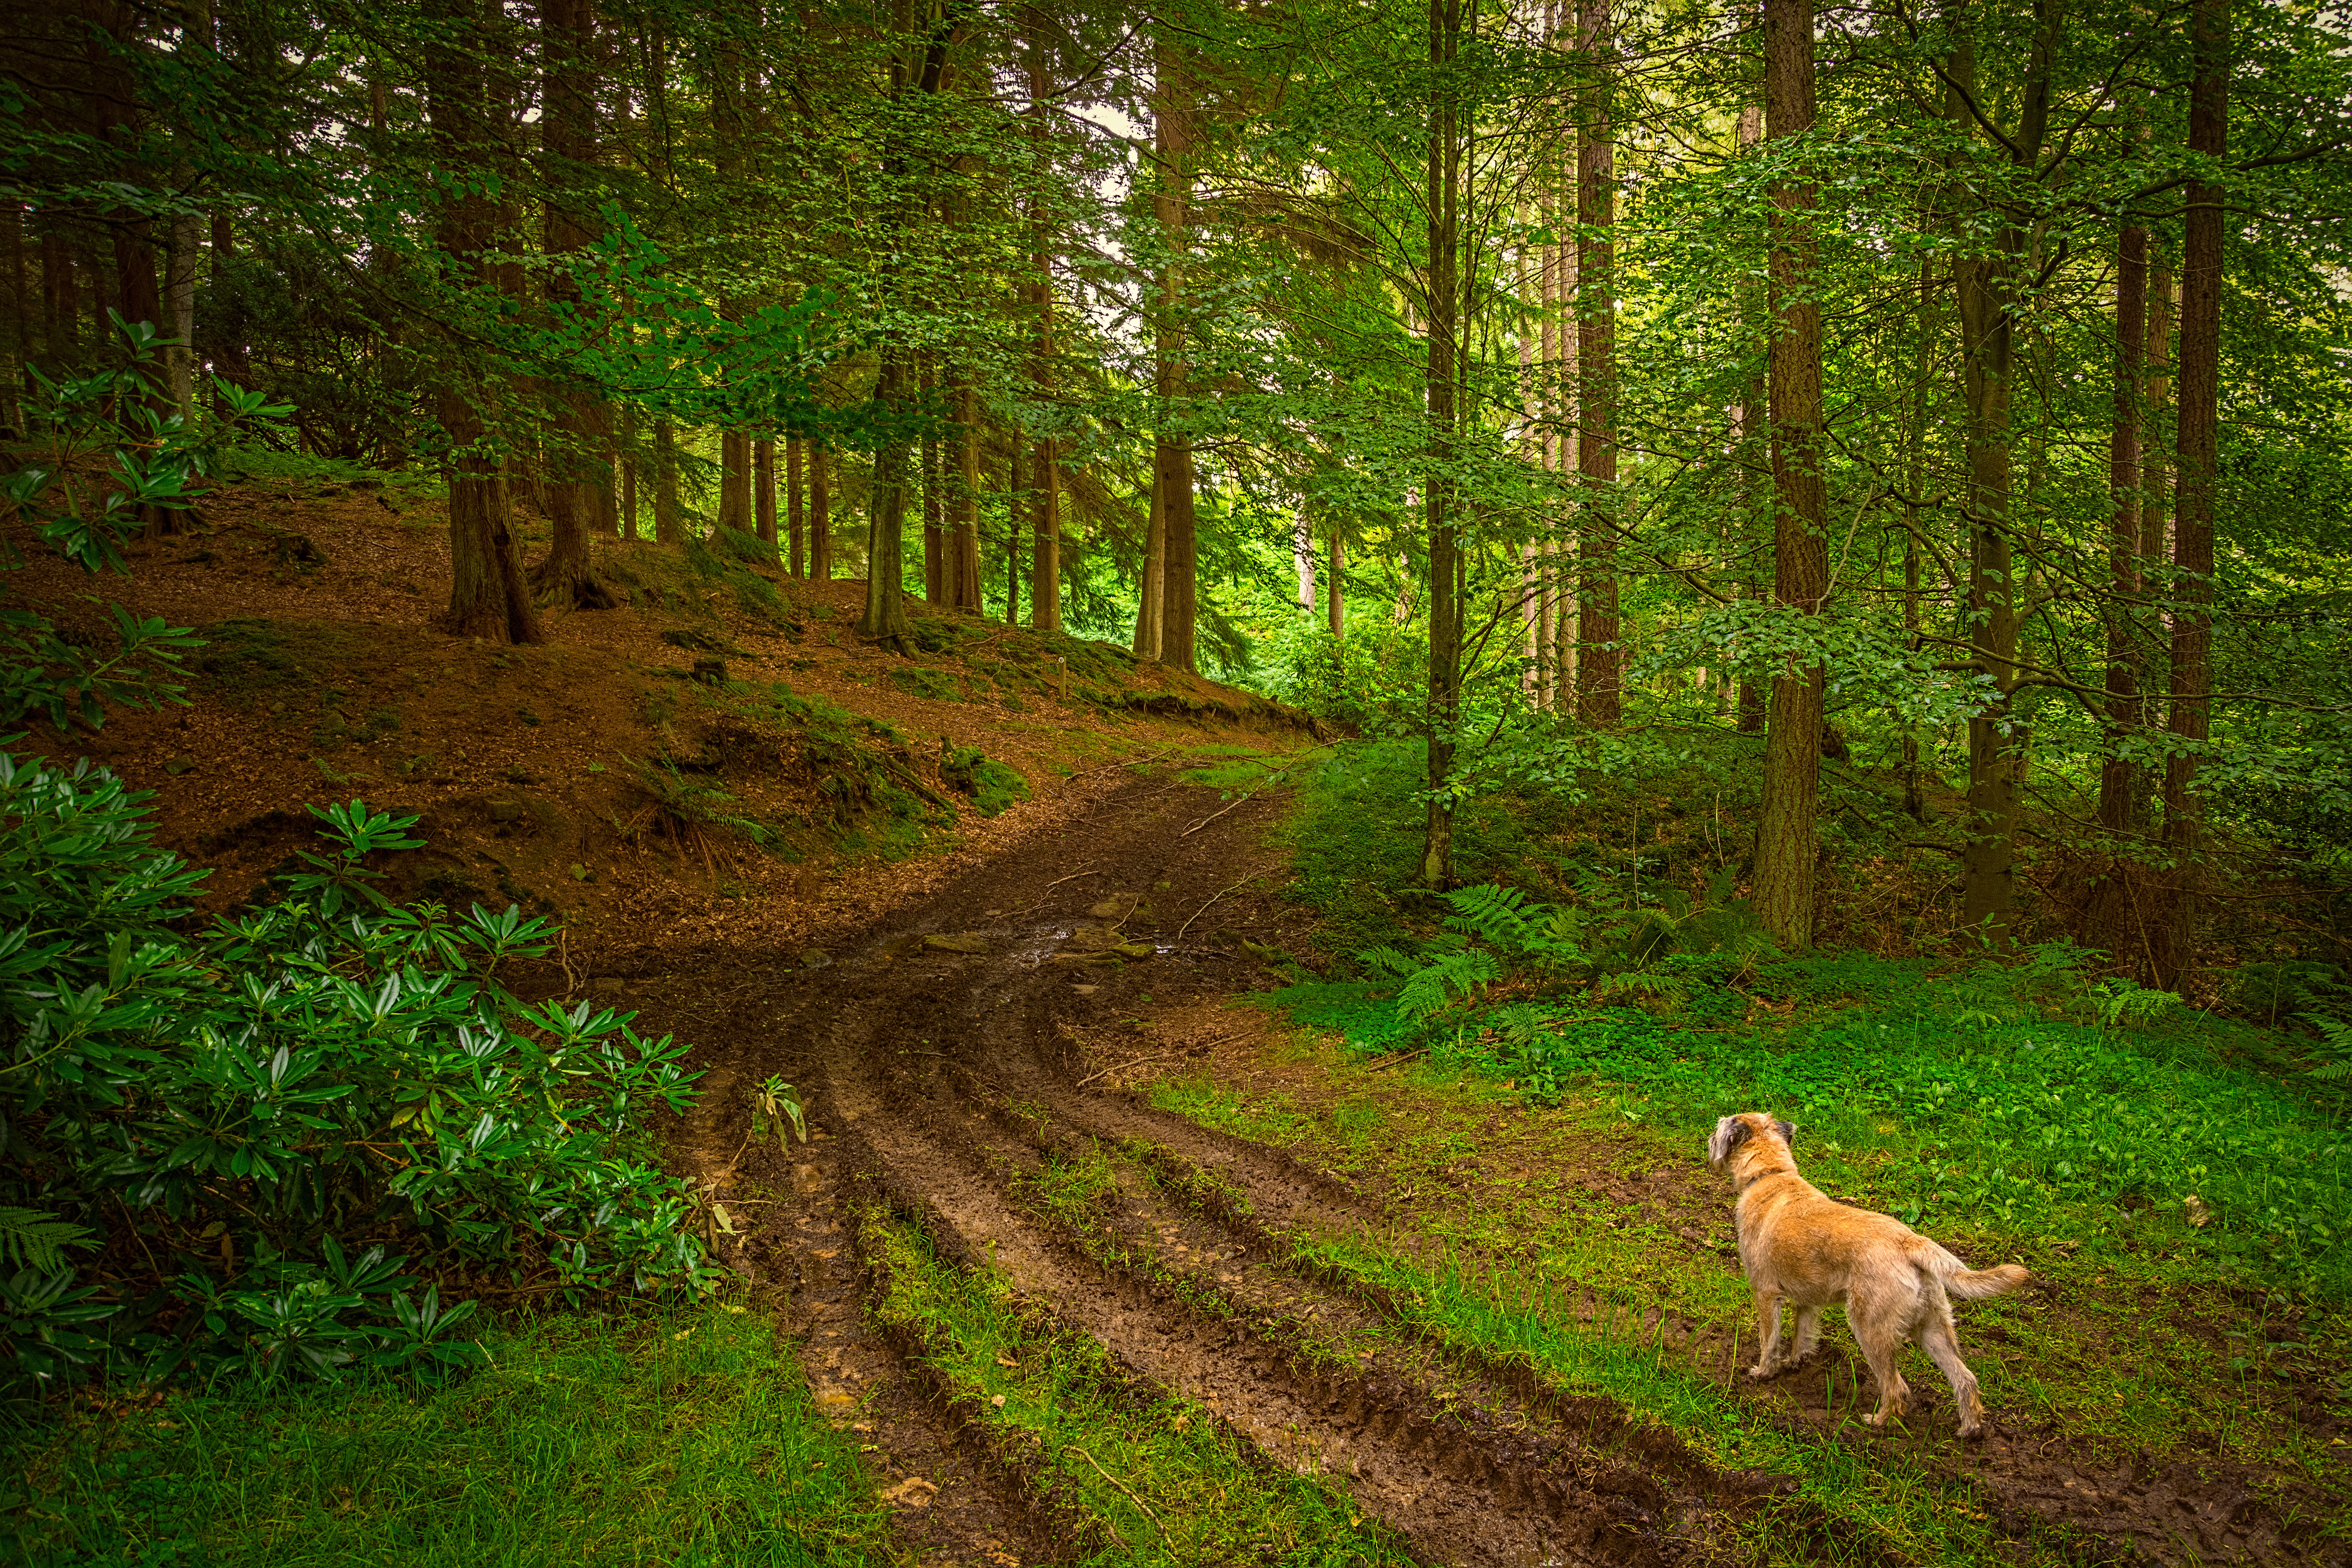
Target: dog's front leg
<point>1767,1332</point>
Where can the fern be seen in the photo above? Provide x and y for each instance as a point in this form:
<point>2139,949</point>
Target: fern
<point>2338,1030</point>
<point>1504,918</point>
<point>30,1239</point>
<point>1388,961</point>
<point>1448,973</point>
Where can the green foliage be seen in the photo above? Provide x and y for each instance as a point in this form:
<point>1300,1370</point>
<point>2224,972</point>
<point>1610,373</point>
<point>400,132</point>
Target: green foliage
<point>278,1097</point>
<point>107,458</point>
<point>679,1436</point>
<point>30,1239</point>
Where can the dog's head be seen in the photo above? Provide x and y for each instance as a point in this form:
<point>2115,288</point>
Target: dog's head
<point>1734,1131</point>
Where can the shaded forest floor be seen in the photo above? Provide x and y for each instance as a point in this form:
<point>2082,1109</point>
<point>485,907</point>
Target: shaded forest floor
<point>1093,1251</point>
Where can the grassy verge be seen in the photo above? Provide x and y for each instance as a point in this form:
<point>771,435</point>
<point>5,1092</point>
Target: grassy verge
<point>1160,1481</point>
<point>681,1438</point>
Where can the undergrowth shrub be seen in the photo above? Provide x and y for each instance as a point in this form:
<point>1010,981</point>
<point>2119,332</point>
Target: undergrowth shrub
<point>265,1114</point>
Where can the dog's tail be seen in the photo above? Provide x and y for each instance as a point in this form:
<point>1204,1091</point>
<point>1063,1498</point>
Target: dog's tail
<point>1974,1284</point>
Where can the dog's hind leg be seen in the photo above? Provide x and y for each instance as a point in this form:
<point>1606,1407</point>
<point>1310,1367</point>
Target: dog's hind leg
<point>1941,1341</point>
<point>1881,1327</point>
<point>1808,1335</point>
<point>1768,1330</point>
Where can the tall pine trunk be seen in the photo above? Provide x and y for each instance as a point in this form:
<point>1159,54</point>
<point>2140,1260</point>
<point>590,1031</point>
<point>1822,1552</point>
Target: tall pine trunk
<point>1601,662</point>
<point>2111,914</point>
<point>1442,711</point>
<point>582,424</point>
<point>489,596</point>
<point>1172,474</point>
<point>2196,475</point>
<point>1788,838</point>
<point>1989,291</point>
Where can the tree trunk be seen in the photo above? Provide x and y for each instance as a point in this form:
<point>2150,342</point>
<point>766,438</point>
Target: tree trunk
<point>886,622</point>
<point>1788,838</point>
<point>964,499</point>
<point>670,517</point>
<point>1302,555</point>
<point>1334,601</point>
<point>1014,495</point>
<point>488,595</point>
<point>1172,132</point>
<point>2110,915</point>
<point>1749,133</point>
<point>13,379</point>
<point>1442,704</point>
<point>735,482</point>
<point>1601,662</point>
<point>935,554</point>
<point>820,518</point>
<point>797,564</point>
<point>1989,309</point>
<point>581,424</point>
<point>2197,476</point>
<point>763,492</point>
<point>1152,584</point>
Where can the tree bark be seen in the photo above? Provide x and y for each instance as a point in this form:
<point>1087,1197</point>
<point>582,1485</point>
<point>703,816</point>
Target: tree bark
<point>1442,711</point>
<point>2197,478</point>
<point>885,621</point>
<point>2111,913</point>
<point>1788,838</point>
<point>581,424</point>
<point>489,596</point>
<point>820,518</point>
<point>1987,287</point>
<point>1172,476</point>
<point>935,552</point>
<point>797,564</point>
<point>1151,583</point>
<point>1749,133</point>
<point>763,492</point>
<point>1335,601</point>
<point>1601,662</point>
<point>670,517</point>
<point>963,502</point>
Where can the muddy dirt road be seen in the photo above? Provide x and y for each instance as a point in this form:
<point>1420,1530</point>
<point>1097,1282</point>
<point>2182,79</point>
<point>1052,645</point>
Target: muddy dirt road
<point>951,1053</point>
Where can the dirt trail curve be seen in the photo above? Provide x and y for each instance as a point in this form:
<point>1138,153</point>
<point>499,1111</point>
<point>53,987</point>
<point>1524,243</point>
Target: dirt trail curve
<point>944,1076</point>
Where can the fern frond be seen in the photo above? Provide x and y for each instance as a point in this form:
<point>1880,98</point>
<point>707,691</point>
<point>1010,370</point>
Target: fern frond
<point>1491,913</point>
<point>30,1239</point>
<point>1388,961</point>
<point>1430,988</point>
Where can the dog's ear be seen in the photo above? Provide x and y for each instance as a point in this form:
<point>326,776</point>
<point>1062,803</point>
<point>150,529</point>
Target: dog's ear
<point>1787,1130</point>
<point>1730,1133</point>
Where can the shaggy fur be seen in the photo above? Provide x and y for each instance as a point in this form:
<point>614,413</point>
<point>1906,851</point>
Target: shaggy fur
<point>1897,1285</point>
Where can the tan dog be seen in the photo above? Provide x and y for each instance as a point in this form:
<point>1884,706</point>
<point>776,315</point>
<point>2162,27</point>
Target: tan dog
<point>1895,1283</point>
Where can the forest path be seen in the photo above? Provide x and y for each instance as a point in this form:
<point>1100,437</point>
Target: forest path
<point>946,1087</point>
<point>953,1056</point>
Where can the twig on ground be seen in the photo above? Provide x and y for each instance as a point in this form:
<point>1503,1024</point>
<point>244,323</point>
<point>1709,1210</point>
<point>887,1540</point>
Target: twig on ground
<point>1071,877</point>
<point>1122,1067</point>
<point>1220,893</point>
<point>1122,1484</point>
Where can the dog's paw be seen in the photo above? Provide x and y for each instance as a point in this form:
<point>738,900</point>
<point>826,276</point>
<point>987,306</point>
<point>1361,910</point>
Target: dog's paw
<point>1763,1370</point>
<point>1875,1419</point>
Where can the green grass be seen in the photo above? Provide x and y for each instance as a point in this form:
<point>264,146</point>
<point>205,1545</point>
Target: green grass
<point>1166,1483</point>
<point>685,1438</point>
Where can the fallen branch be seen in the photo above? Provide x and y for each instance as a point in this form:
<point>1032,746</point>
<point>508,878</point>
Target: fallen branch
<point>1203,909</point>
<point>1122,1484</point>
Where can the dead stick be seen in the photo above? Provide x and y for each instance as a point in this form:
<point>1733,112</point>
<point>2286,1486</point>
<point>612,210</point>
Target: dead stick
<point>1122,1484</point>
<point>1203,909</point>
